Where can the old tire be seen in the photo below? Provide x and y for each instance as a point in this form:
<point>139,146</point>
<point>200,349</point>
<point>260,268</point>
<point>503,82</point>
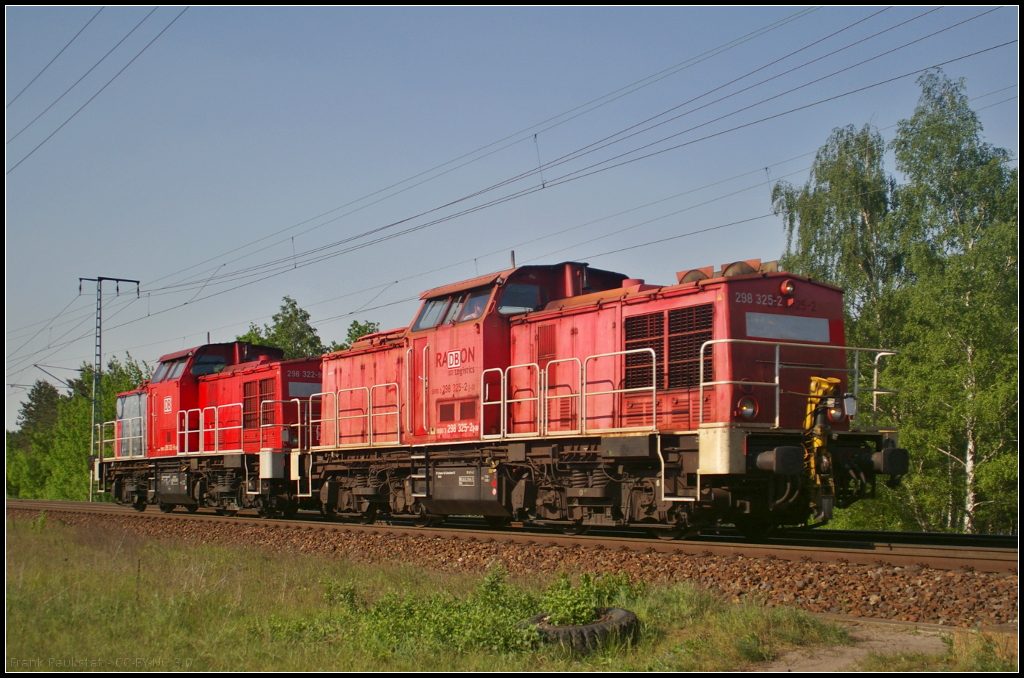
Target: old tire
<point>613,622</point>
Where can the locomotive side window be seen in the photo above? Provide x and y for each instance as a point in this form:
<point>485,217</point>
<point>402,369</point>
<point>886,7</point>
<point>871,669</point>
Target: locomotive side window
<point>208,364</point>
<point>432,313</point>
<point>522,299</point>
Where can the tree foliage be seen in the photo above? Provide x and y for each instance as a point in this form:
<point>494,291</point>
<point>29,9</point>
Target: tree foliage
<point>48,458</point>
<point>356,331</point>
<point>930,267</point>
<point>290,332</point>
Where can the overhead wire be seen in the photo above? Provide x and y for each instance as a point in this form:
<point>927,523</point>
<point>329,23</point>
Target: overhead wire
<point>127,35</point>
<point>611,96</point>
<point>275,264</point>
<point>831,98</point>
<point>318,254</point>
<point>30,153</point>
<point>54,58</point>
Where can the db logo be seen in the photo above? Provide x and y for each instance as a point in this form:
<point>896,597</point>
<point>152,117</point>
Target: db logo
<point>454,359</point>
<point>167,405</point>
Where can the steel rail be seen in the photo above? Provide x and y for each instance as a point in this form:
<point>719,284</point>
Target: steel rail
<point>879,553</point>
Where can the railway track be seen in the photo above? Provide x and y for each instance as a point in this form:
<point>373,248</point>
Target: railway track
<point>990,553</point>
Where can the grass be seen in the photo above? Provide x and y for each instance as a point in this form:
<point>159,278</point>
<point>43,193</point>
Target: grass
<point>966,651</point>
<point>102,598</point>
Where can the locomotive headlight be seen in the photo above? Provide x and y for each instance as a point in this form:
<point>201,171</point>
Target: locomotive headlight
<point>747,408</point>
<point>835,411</point>
<point>787,288</point>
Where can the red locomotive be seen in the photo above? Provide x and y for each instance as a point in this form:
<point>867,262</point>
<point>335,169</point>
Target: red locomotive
<point>559,395</point>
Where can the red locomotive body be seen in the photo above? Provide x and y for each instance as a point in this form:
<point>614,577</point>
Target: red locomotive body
<point>558,395</point>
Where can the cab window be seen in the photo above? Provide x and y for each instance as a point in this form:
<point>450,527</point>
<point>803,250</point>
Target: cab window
<point>161,372</point>
<point>432,313</point>
<point>208,364</point>
<point>522,299</point>
<point>176,368</point>
<point>453,310</point>
<point>475,305</point>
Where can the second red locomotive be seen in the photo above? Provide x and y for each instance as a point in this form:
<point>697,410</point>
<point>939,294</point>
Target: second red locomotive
<point>558,395</point>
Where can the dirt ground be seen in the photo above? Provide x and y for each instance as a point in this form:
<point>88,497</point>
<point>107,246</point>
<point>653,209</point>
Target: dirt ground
<point>869,638</point>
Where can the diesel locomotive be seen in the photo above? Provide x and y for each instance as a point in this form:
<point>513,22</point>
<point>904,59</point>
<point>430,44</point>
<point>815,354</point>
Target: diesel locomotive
<point>559,395</point>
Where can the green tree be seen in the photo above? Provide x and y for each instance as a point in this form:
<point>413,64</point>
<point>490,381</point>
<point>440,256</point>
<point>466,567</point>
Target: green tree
<point>290,332</point>
<point>56,465</point>
<point>356,331</point>
<point>930,268</point>
<point>68,467</point>
<point>28,448</point>
<point>958,369</point>
<point>838,228</point>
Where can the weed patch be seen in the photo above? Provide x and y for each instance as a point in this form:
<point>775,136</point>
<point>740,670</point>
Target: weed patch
<point>105,594</point>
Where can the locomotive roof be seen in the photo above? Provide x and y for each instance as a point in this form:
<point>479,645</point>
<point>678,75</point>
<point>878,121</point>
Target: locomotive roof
<point>637,290</point>
<point>189,351</point>
<point>491,278</point>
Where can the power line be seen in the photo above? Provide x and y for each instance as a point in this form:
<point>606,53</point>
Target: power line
<point>83,77</point>
<point>318,254</point>
<point>98,93</point>
<point>611,96</point>
<point>54,58</point>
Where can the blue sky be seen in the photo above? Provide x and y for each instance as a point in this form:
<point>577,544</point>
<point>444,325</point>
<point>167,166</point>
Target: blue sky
<point>245,152</point>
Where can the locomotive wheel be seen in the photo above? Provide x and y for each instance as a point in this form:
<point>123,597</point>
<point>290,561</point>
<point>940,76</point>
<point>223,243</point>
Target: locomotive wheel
<point>220,512</point>
<point>139,505</point>
<point>192,509</point>
<point>368,517</point>
<point>166,508</point>
<point>573,530</point>
<point>667,535</point>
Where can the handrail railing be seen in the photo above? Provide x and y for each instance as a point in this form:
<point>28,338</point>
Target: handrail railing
<point>536,399</point>
<point>485,403</point>
<point>396,413</point>
<point>116,443</point>
<point>653,388</point>
<point>283,425</point>
<point>543,397</point>
<point>339,418</point>
<point>323,396</point>
<point>219,431</point>
<point>779,366</point>
<point>186,430</point>
<point>576,395</point>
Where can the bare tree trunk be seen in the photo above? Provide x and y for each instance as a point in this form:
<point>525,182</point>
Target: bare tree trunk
<point>971,451</point>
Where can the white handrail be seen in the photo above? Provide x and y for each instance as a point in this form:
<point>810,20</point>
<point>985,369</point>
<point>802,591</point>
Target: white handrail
<point>653,389</point>
<point>779,366</point>
<point>396,413</point>
<point>578,394</point>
